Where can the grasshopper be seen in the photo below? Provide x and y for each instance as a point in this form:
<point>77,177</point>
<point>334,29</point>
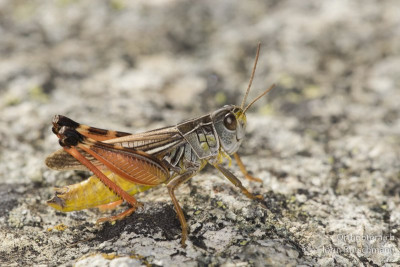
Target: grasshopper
<point>124,164</point>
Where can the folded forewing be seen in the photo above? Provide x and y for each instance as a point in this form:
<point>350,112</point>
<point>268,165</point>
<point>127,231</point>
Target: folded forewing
<point>157,142</point>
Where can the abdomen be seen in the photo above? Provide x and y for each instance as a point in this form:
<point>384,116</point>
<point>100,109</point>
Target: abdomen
<point>91,193</point>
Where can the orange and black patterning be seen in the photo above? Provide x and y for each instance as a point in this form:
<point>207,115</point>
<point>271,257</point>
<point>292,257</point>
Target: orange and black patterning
<point>124,164</point>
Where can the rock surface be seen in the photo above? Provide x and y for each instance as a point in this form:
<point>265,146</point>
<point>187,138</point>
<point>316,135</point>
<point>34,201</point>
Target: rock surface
<point>325,142</point>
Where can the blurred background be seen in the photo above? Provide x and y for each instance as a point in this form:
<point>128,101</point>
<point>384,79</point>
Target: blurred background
<point>331,127</point>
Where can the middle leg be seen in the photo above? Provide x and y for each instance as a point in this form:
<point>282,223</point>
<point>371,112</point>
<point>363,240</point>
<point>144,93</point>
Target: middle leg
<point>172,185</point>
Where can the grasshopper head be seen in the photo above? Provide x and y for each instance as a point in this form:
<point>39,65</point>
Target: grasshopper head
<point>230,123</point>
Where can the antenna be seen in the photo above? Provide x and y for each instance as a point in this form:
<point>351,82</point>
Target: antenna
<point>258,97</point>
<point>251,77</point>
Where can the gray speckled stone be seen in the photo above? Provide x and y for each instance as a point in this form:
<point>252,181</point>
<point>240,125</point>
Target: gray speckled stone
<point>325,142</point>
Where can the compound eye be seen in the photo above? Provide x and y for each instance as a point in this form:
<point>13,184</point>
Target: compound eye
<point>230,122</point>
